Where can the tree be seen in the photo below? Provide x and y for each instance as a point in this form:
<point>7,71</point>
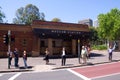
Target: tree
<point>28,14</point>
<point>2,16</point>
<point>94,34</point>
<point>109,25</point>
<point>56,20</point>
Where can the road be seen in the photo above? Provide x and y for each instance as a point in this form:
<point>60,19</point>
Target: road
<point>109,71</point>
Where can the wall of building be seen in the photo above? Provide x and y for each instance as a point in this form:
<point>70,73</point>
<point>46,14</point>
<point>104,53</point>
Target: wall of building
<point>23,38</point>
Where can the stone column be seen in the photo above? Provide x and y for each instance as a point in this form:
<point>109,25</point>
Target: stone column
<point>38,46</point>
<point>50,46</point>
<point>73,47</point>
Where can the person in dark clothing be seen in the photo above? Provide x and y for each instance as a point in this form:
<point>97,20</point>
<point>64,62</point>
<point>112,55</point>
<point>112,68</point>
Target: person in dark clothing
<point>47,56</point>
<point>63,56</point>
<point>16,54</point>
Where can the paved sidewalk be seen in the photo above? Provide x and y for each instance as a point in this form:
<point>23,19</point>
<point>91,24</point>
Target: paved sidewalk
<point>38,64</point>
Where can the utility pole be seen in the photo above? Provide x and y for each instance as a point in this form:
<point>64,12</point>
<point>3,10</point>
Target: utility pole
<point>79,51</point>
<point>9,41</point>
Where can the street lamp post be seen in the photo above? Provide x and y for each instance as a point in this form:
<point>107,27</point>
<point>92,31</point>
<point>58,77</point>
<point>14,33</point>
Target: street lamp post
<point>9,40</point>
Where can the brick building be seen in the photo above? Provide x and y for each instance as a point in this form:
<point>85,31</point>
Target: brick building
<point>42,34</point>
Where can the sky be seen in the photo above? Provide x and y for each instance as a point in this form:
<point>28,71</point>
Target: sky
<point>70,11</point>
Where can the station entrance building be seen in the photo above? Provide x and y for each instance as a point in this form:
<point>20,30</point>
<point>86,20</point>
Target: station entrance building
<point>39,35</point>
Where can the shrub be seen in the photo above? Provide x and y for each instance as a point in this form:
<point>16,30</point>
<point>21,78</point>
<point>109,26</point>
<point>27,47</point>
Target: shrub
<point>99,47</point>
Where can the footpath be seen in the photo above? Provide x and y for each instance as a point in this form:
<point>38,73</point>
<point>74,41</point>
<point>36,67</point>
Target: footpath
<point>38,64</point>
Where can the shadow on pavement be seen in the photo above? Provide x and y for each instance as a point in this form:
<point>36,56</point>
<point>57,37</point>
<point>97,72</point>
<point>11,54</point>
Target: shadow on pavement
<point>114,60</point>
<point>51,64</point>
<point>75,56</point>
<point>96,55</point>
<point>69,64</point>
<point>29,67</point>
<point>89,63</point>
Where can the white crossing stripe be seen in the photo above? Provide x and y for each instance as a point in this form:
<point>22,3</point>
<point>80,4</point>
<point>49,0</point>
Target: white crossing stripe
<point>15,76</point>
<point>1,74</point>
<point>79,75</point>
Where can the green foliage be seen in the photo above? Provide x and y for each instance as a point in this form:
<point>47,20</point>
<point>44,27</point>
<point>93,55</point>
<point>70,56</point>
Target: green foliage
<point>2,16</point>
<point>99,47</point>
<point>109,25</point>
<point>93,34</point>
<point>56,20</point>
<point>28,14</point>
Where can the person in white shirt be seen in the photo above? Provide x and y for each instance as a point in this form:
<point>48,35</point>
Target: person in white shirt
<point>63,56</point>
<point>84,55</point>
<point>110,50</point>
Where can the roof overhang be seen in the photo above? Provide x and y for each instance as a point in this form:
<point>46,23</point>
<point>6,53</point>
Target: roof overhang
<point>60,34</point>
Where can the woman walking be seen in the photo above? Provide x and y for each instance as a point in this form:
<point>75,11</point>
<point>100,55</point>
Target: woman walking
<point>47,56</point>
<point>25,58</point>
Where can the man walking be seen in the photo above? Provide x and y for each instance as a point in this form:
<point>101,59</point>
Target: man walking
<point>63,56</point>
<point>84,55</point>
<point>16,54</point>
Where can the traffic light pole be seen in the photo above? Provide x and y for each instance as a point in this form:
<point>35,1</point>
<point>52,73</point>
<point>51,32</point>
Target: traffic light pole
<point>9,40</point>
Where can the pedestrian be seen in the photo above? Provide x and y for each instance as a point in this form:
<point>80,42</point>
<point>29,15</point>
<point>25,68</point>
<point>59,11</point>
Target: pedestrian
<point>47,56</point>
<point>84,55</point>
<point>16,57</point>
<point>10,55</point>
<point>25,58</point>
<point>110,51</point>
<point>87,48</point>
<point>63,56</point>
